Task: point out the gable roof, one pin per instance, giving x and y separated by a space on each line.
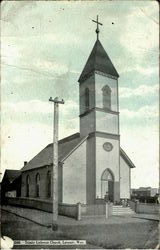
10 175
126 158
65 148
100 61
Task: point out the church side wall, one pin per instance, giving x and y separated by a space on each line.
124 180
74 176
108 160
43 182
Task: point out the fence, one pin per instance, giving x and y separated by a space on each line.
63 209
132 205
77 211
147 208
104 210
70 210
30 203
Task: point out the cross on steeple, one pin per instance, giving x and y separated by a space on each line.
97 30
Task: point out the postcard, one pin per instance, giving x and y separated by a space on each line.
79 98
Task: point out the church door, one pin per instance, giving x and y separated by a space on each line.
110 190
107 185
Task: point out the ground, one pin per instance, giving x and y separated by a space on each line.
125 233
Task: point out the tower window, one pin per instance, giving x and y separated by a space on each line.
87 98
106 92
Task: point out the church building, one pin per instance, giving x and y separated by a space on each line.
91 163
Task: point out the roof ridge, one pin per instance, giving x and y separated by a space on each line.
12 170
68 138
126 158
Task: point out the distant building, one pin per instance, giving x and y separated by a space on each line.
11 183
154 191
145 194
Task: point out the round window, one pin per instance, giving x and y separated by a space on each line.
107 146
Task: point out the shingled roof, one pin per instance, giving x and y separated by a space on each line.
10 175
65 147
98 61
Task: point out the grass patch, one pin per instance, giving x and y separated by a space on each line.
124 235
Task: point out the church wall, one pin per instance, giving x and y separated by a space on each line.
106 122
87 123
101 81
90 84
74 176
124 180
109 160
43 182
90 171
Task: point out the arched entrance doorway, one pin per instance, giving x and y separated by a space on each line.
107 185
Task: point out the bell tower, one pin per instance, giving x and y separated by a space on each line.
99 119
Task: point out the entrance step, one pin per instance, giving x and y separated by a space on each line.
120 210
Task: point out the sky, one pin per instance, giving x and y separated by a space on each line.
44 48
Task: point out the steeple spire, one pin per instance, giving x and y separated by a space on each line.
97 30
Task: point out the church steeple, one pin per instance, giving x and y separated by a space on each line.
98 90
98 61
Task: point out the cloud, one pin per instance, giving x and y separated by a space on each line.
146 112
13 57
33 106
49 66
21 142
147 70
139 39
69 109
142 90
61 38
142 145
138 68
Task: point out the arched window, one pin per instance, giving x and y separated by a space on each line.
87 98
37 184
106 92
27 185
107 184
49 184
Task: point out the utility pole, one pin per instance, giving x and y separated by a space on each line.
55 162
